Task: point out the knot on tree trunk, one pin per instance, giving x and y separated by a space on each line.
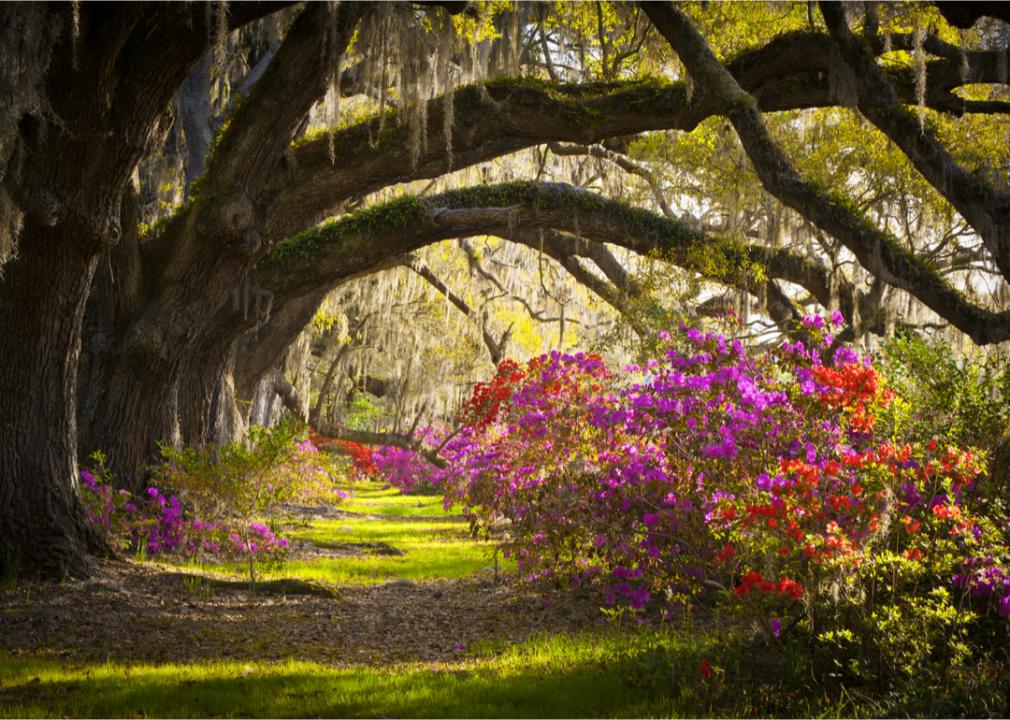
231 220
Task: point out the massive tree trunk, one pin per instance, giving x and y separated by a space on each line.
198 267
44 528
105 96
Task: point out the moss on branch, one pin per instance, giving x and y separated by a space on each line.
304 248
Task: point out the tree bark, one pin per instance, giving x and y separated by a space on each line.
44 528
167 343
105 109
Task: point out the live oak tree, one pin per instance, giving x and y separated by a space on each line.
200 307
85 95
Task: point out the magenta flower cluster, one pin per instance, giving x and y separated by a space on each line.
155 524
711 468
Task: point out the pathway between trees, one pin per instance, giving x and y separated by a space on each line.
138 611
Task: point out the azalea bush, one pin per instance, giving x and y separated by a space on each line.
232 486
759 480
149 524
218 498
408 469
362 464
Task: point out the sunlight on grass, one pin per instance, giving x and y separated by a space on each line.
430 549
374 498
607 671
426 544
641 674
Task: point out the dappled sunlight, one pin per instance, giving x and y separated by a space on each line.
497 358
634 674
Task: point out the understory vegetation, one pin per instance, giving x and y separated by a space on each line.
505 358
710 506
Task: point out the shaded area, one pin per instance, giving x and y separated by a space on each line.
610 673
142 612
303 550
207 585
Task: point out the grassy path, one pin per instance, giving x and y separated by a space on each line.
380 535
390 610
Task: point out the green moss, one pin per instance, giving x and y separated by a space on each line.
305 247
154 229
369 124
904 263
775 45
717 258
655 229
219 139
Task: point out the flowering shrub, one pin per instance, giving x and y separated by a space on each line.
408 470
232 485
362 457
755 476
488 398
149 524
224 492
154 524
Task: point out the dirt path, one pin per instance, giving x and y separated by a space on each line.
143 612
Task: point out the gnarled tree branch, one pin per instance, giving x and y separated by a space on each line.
877 250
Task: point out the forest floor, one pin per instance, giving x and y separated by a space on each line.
386 608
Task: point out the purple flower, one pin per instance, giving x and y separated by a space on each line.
845 356
638 598
776 625
88 479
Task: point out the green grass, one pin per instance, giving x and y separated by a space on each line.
431 549
373 498
609 670
432 542
609 673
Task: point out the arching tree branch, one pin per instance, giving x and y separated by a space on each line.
983 206
495 347
788 73
301 271
877 250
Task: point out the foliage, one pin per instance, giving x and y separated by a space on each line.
240 481
244 479
757 479
362 465
963 399
149 525
222 494
407 470
154 525
363 412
